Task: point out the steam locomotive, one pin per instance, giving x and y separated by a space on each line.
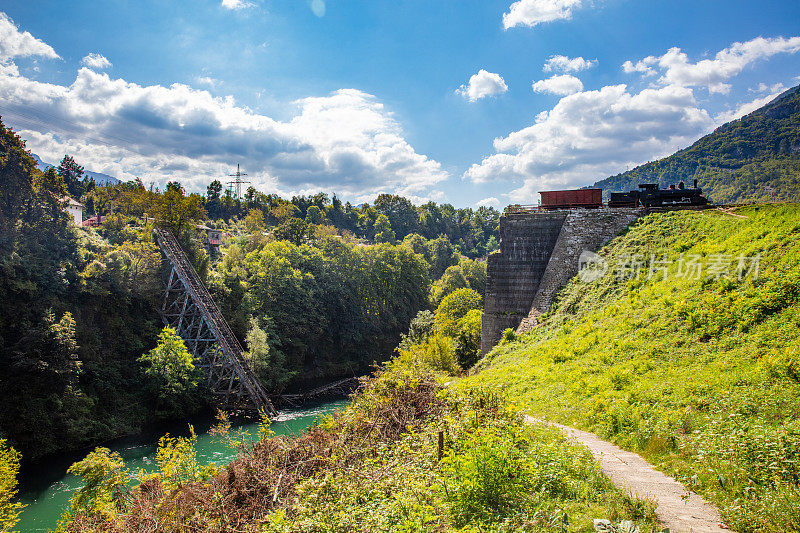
649 195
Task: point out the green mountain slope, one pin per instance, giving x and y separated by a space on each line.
701 374
752 159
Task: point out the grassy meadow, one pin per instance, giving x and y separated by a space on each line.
697 368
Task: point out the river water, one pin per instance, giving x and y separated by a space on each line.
46 488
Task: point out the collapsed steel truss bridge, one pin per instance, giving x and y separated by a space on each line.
189 309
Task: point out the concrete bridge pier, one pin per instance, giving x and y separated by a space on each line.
539 252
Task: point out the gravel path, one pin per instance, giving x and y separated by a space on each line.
679 509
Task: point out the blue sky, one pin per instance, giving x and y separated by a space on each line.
446 100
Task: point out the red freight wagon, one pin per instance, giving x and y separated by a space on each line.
588 198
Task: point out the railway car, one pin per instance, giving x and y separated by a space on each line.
586 198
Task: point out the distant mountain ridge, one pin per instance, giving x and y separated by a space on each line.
752 159
99 177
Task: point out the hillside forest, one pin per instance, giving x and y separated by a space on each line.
315 288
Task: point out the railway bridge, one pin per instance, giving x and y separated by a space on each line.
188 307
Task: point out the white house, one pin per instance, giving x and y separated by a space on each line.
75 210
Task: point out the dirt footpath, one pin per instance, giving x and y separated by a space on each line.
679 509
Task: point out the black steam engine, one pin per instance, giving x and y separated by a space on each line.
649 195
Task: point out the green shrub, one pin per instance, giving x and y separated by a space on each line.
468 338
176 458
9 468
455 306
487 475
104 478
435 353
509 335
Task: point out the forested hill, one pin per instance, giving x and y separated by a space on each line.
752 159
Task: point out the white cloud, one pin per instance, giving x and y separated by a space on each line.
489 202
96 61
481 85
207 80
644 66
533 12
345 141
14 43
764 88
592 134
749 107
676 69
237 4
561 85
566 64
318 8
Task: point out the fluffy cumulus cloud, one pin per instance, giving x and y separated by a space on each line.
489 202
16 43
481 85
561 85
345 140
592 134
643 66
568 64
96 61
675 67
534 12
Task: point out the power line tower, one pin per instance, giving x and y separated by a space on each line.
237 181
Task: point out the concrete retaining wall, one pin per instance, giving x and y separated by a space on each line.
513 273
538 255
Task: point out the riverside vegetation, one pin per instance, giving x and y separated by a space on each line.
699 374
416 450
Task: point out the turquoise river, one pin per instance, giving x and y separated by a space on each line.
46 488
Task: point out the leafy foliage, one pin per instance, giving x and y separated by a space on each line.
330 309
454 307
172 368
435 352
9 468
176 458
468 338
467 274
270 367
473 233
422 326
104 477
176 212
